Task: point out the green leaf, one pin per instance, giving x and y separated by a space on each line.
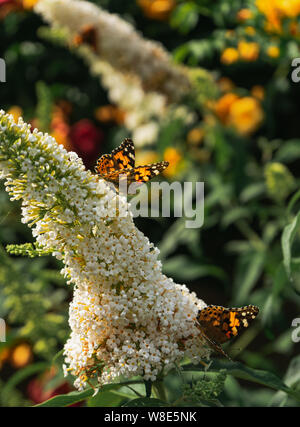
253 191
78 396
292 379
185 17
234 215
184 268
287 239
251 267
67 399
289 151
145 402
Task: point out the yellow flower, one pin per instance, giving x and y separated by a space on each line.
273 51
223 105
16 112
272 13
157 9
229 56
245 115
290 8
29 4
21 355
275 11
248 51
173 156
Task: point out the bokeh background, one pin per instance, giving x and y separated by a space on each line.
239 134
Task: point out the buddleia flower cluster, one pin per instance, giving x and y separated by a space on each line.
138 73
126 317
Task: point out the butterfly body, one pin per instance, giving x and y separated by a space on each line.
219 324
120 165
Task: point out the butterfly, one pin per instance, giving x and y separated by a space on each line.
218 324
87 35
120 165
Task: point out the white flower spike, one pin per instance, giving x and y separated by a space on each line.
126 317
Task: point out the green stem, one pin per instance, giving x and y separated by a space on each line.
148 386
159 390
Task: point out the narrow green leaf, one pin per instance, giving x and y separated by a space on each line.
67 399
287 239
78 396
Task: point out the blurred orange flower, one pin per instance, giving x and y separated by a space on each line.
273 51
16 112
245 115
244 14
110 113
21 355
29 4
223 105
248 51
157 9
229 56
174 157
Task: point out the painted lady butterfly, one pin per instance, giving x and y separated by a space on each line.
120 164
218 324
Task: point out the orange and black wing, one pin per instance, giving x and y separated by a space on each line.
218 324
147 172
120 160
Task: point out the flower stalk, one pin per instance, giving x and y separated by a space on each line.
126 317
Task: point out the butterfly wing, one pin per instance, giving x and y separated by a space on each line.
220 324
147 172
120 165
122 158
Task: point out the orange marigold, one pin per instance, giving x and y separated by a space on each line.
157 9
223 105
229 56
248 51
245 115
